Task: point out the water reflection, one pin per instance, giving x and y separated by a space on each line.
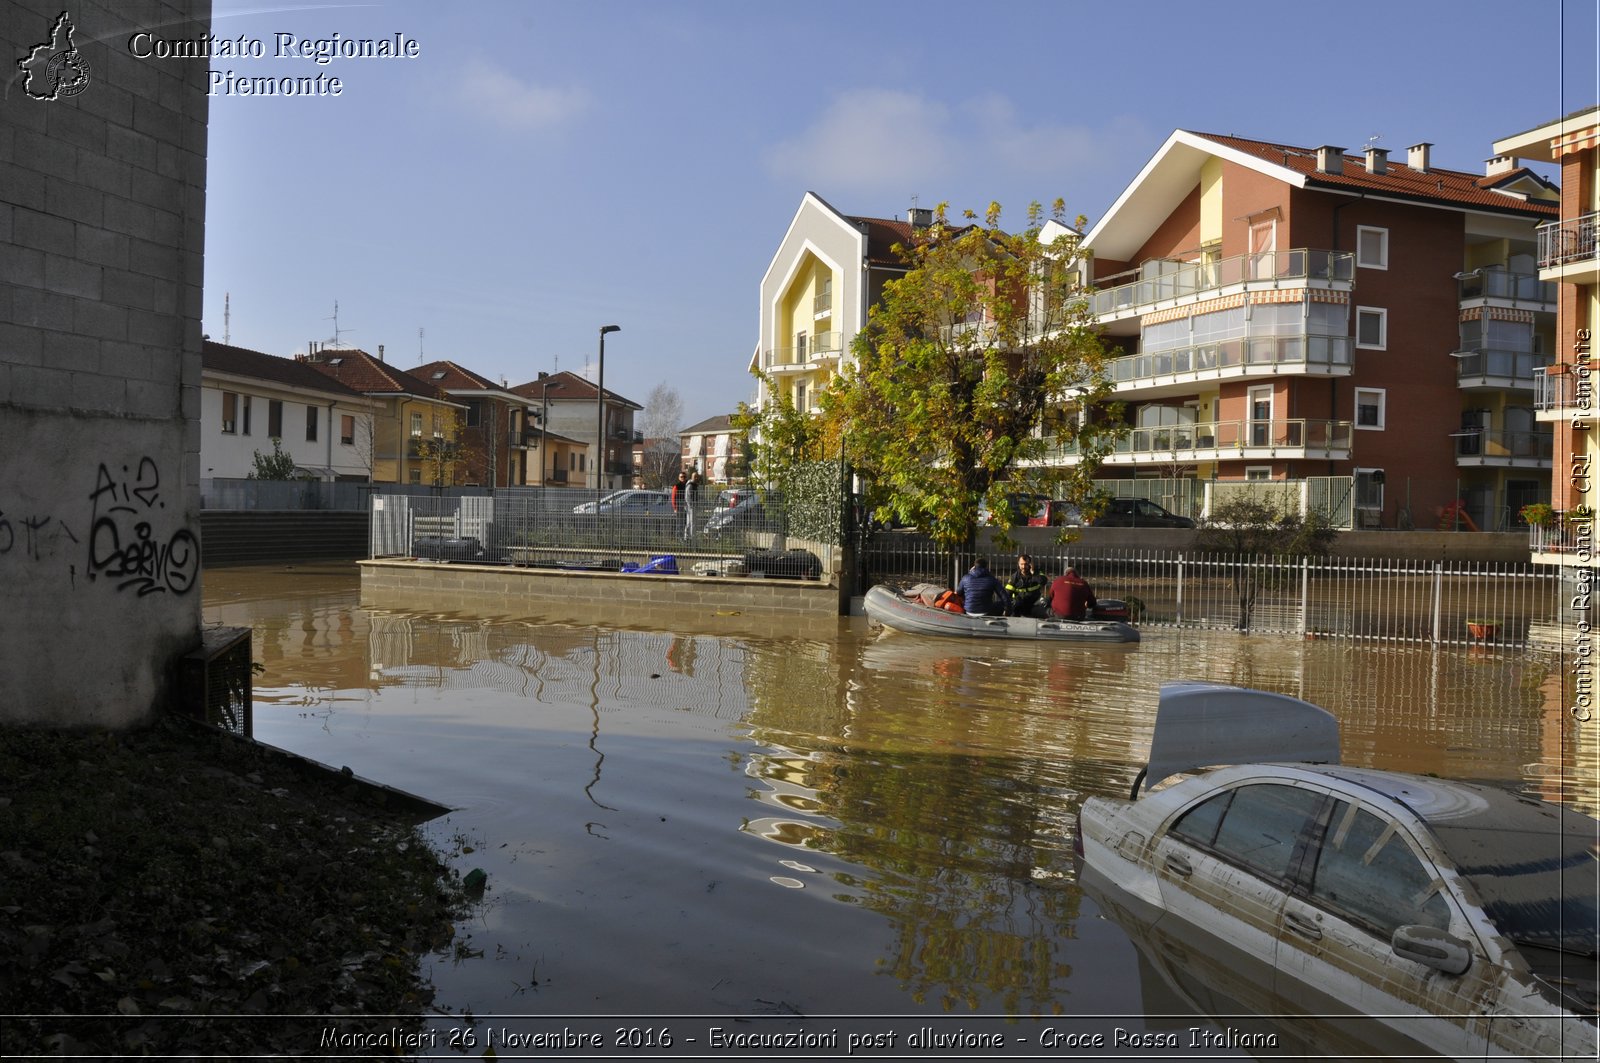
699 821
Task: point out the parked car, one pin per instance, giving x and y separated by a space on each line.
629 503
1139 513
1035 511
746 511
1456 916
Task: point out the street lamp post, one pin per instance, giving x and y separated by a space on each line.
544 429
600 407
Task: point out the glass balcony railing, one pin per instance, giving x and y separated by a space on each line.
1277 353
1489 365
1572 240
1503 284
1270 268
1498 445
1222 440
817 347
822 304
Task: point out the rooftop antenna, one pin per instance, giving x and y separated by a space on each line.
419 344
337 331
1373 139
226 315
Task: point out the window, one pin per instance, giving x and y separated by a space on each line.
416 426
438 427
800 397
1372 247
474 414
799 346
1372 327
1370 403
1258 472
274 419
230 412
245 415
311 424
1369 489
416 475
1258 826
1366 870
347 429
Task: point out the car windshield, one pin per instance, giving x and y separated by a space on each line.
1534 867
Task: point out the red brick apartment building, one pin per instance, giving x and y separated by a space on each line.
1569 256
1290 313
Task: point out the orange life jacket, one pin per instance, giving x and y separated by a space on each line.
949 600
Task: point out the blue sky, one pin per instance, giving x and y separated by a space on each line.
544 168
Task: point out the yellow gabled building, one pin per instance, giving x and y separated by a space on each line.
829 269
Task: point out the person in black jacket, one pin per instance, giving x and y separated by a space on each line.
1025 587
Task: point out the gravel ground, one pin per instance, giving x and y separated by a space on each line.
176 891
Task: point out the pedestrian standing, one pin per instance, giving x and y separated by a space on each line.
690 495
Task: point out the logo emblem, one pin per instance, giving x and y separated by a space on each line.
55 69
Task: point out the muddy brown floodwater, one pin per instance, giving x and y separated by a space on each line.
773 834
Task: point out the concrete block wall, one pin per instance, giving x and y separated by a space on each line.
102 215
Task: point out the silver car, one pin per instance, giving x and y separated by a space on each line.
1452 917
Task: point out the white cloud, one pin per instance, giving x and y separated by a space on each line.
868 140
514 103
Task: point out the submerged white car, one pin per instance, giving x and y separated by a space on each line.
1399 912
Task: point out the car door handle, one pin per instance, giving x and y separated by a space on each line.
1178 865
1306 928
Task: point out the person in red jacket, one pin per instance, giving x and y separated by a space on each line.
1071 597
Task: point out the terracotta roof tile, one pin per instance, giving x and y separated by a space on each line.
882 235
241 361
450 376
722 422
362 372
1435 186
566 386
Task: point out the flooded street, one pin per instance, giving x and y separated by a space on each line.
750 824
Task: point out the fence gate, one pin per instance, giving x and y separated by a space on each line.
389 531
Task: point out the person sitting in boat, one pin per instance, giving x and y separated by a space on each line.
981 593
1025 587
1071 597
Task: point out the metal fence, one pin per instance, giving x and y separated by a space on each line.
1398 601
596 530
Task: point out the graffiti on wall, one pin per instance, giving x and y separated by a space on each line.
124 545
130 547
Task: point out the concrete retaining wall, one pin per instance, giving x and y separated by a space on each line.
737 605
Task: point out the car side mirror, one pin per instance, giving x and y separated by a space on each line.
1432 947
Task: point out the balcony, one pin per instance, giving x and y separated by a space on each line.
822 347
1503 288
1230 441
1497 448
1192 281
1498 370
1177 370
1568 540
1557 394
1568 250
822 305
